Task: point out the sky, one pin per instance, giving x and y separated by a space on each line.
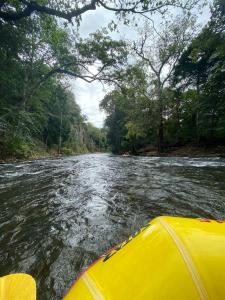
89 95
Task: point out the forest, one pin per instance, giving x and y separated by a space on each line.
164 88
38 112
175 94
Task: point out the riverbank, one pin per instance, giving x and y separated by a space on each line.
186 151
32 157
46 155
51 154
189 151
39 151
198 151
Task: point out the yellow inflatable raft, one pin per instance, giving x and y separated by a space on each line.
169 259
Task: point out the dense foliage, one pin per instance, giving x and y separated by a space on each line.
185 105
38 113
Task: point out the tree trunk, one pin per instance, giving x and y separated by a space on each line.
161 125
197 111
161 134
60 134
178 117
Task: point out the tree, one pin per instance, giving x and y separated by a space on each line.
36 109
97 137
200 73
178 85
17 10
128 112
160 52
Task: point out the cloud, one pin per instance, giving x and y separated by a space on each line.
94 20
88 96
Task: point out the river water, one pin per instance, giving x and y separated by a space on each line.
57 216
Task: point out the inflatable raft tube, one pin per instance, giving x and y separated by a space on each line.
169 259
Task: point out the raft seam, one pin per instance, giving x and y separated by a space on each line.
92 287
187 259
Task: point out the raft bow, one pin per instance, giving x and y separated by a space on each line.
170 258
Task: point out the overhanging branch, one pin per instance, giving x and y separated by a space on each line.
9 14
33 6
89 77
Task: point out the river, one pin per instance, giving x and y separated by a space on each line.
58 215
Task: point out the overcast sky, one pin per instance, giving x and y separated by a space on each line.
89 95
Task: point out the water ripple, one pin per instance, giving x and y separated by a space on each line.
57 215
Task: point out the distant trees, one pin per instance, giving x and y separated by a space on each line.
183 91
128 112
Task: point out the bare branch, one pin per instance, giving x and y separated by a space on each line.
153 25
63 70
171 70
141 54
133 9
